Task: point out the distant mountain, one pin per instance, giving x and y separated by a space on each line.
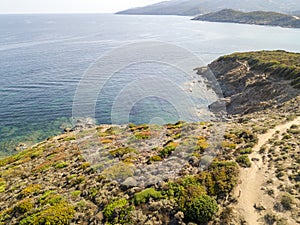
295 13
257 17
174 7
195 7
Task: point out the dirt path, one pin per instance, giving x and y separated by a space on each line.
253 178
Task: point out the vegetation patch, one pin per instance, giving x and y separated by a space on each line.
201 209
228 145
168 149
61 165
118 212
287 201
24 206
2 185
32 189
155 158
120 152
144 196
110 131
58 214
246 151
69 138
243 160
221 178
118 171
202 144
142 135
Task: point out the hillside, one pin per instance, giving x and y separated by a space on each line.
257 17
175 7
195 7
297 13
256 81
150 174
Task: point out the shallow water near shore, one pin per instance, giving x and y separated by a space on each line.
43 57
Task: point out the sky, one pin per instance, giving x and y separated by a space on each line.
70 6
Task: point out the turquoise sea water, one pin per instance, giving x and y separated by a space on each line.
43 57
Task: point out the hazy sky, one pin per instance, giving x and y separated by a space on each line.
69 6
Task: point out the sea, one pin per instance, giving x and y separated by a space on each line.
45 57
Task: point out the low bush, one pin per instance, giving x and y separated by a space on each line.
142 135
61 165
245 151
286 201
155 158
30 189
145 195
2 185
243 160
201 209
118 212
120 152
202 144
24 206
58 214
168 149
221 178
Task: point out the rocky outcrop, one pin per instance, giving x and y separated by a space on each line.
248 86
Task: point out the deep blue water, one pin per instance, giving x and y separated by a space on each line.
43 57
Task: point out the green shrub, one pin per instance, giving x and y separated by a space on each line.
189 193
202 144
155 158
58 214
78 180
85 165
61 165
24 206
93 192
120 152
167 150
145 195
76 193
30 189
173 190
51 199
70 138
201 209
118 171
294 131
118 212
221 178
270 218
243 160
282 221
45 195
140 127
142 135
177 125
286 201
2 185
245 151
228 145
108 132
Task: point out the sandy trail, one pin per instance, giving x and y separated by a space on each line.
253 178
